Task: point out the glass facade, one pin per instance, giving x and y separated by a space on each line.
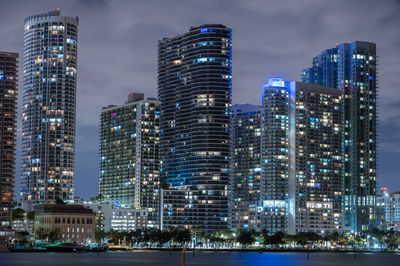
245 160
129 155
301 155
49 107
275 147
8 124
194 87
352 68
318 159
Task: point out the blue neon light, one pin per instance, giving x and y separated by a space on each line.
203 30
276 82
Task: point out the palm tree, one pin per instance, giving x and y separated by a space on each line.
246 238
100 235
53 236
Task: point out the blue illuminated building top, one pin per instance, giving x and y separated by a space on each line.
275 82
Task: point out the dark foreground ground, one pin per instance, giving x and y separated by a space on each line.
112 258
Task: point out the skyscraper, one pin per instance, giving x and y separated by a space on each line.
8 124
129 155
302 155
194 87
246 153
245 159
49 106
352 69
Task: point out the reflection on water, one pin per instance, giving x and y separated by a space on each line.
112 258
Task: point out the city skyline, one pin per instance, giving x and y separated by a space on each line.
276 63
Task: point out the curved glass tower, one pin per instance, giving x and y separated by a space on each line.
195 87
49 100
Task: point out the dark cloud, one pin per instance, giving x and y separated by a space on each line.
117 53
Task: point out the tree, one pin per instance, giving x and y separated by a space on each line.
115 236
53 236
99 235
304 238
277 239
391 240
183 236
18 214
334 236
164 237
136 236
377 234
77 199
222 236
265 237
291 239
150 236
173 233
158 236
60 201
41 233
98 198
217 239
245 238
22 237
31 216
200 235
274 240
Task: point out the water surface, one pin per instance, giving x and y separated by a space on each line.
114 258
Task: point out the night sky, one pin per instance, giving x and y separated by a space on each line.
117 53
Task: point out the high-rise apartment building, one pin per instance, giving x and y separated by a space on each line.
194 87
129 155
246 154
8 124
352 69
245 160
302 155
49 107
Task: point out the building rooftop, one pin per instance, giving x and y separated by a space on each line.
53 13
133 98
315 88
62 208
247 108
9 54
